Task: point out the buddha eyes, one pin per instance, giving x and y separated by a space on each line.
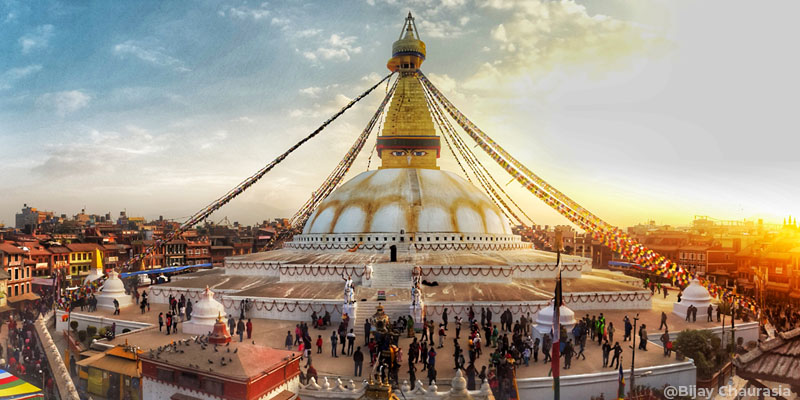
400 153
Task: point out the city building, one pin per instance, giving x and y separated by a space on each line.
117 370
175 253
198 252
12 259
81 258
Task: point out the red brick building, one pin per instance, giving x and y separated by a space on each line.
12 260
240 372
198 252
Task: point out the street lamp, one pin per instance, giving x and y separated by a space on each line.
633 356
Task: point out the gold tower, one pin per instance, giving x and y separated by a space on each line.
409 138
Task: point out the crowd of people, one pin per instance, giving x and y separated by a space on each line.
23 354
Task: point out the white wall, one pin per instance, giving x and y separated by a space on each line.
86 319
632 300
606 383
747 330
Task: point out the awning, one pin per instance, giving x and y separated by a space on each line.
11 387
23 297
163 270
42 281
5 308
114 364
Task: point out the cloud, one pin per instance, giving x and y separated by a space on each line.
439 29
244 119
244 12
38 39
312 91
8 78
306 33
372 77
63 103
81 155
336 47
152 54
543 37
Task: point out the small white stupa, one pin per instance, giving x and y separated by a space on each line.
112 289
204 314
694 295
544 319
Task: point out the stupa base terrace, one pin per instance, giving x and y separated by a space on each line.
291 284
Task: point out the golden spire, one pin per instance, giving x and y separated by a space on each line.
409 138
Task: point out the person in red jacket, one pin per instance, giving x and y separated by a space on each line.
319 344
249 328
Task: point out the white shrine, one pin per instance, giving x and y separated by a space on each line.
694 295
204 314
112 289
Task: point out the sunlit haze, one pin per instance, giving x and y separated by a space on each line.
638 110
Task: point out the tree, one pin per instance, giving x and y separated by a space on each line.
704 348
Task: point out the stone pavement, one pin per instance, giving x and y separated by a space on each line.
273 332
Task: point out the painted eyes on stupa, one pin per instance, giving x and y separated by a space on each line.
400 153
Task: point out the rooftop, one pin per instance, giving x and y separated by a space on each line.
237 360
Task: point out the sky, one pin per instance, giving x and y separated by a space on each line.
638 110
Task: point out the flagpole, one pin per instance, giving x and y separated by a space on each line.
556 352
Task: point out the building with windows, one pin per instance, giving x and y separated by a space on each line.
198 252
81 257
12 260
175 253
188 370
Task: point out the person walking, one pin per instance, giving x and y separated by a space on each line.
351 340
664 342
289 340
458 327
617 350
160 321
663 321
606 352
442 335
547 342
628 329
610 332
569 351
231 325
169 323
334 339
240 329
319 344
444 318
358 361
643 338
367 331
710 310
249 328
116 307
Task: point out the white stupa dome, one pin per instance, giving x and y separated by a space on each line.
694 295
407 199
545 316
113 284
207 307
695 292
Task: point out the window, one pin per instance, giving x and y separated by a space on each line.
16 273
188 379
212 386
165 375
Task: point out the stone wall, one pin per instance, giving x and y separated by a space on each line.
86 319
